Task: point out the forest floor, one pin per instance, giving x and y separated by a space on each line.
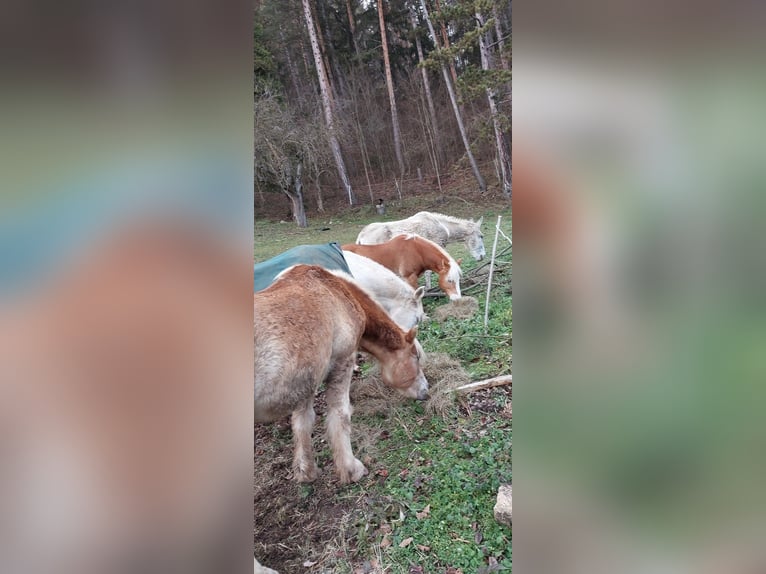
426 506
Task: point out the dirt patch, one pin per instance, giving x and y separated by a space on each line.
495 401
463 308
293 522
318 523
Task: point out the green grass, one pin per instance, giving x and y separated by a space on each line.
453 469
481 355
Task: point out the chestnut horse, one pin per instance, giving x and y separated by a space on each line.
308 326
409 256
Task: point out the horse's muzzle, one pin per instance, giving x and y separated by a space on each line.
422 395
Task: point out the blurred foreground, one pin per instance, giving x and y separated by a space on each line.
125 281
639 297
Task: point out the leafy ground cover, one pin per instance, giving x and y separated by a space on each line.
426 506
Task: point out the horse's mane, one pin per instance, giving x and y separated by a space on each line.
455 272
379 326
350 279
441 216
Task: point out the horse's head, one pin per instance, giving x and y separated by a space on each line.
474 241
408 311
449 282
402 370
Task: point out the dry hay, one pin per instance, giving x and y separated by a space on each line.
370 396
463 308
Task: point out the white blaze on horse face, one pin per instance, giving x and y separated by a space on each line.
453 277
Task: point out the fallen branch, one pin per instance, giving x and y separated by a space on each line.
485 384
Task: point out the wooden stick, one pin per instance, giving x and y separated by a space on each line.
491 269
485 384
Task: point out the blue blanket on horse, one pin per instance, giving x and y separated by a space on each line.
327 255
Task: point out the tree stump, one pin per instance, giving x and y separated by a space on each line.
504 505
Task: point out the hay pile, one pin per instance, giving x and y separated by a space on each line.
370 396
463 308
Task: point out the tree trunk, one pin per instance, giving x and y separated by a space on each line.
502 152
320 199
427 89
290 66
365 159
323 51
352 26
296 197
428 135
500 39
455 108
445 39
326 104
390 86
330 55
304 54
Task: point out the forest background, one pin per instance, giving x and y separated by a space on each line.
357 101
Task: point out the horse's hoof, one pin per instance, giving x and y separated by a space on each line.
306 473
356 471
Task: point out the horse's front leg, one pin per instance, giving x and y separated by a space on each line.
348 467
304 465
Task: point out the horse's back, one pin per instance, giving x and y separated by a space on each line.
373 233
302 326
383 254
371 274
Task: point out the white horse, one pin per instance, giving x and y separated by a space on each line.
441 229
403 303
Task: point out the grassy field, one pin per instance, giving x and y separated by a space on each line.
426 506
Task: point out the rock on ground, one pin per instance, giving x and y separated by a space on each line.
504 505
262 569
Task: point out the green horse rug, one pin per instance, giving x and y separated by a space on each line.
327 255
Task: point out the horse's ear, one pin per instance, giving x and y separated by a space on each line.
411 334
419 292
478 223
